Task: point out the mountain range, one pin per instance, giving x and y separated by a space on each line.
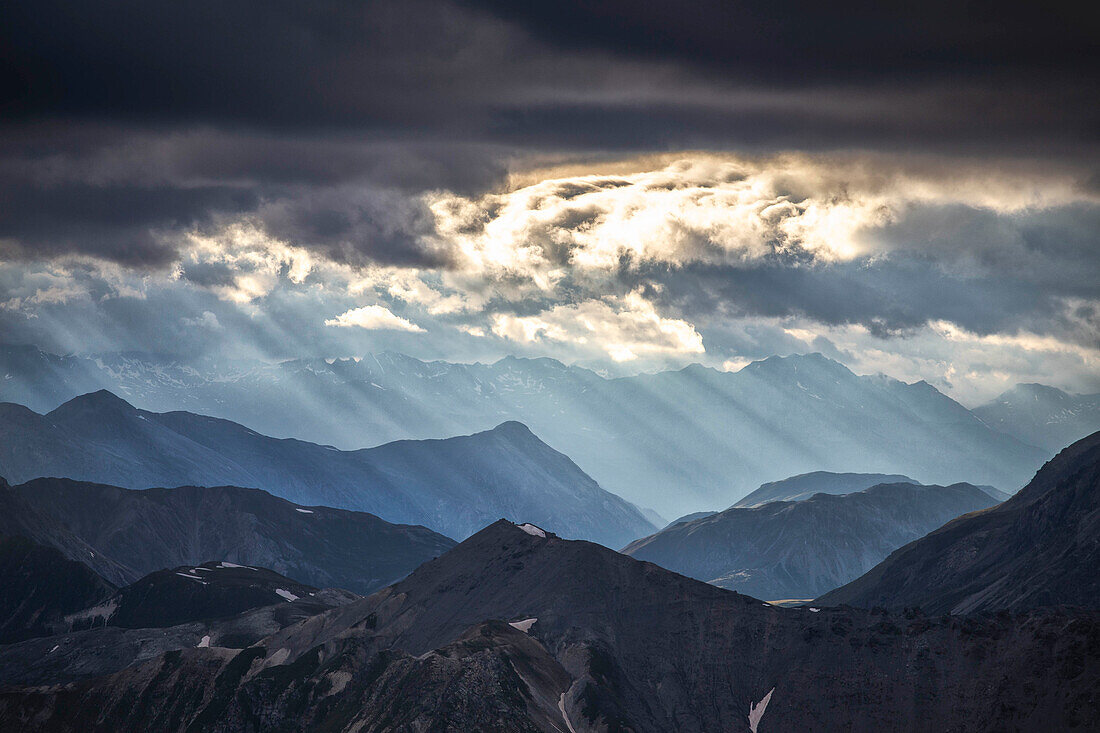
675 441
1039 548
802 548
453 486
1042 415
125 534
518 630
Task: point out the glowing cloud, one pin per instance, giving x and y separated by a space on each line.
373 318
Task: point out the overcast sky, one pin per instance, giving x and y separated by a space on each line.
625 185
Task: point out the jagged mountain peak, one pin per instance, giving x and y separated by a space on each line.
812 363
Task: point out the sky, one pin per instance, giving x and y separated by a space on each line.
626 186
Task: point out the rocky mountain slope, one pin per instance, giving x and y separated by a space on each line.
1039 548
40 586
712 435
164 612
1042 415
125 534
517 630
453 486
801 549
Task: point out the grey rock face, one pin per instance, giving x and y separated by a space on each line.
801 549
1039 548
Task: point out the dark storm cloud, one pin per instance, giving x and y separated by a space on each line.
114 222
559 71
126 118
794 42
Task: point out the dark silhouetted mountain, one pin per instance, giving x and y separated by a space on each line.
518 630
125 534
185 594
231 608
1039 548
453 486
1042 415
39 586
805 485
800 549
677 441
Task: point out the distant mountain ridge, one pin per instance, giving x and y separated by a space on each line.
711 436
1042 415
1039 548
805 485
803 548
454 486
125 534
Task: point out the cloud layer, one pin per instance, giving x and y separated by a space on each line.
971 277
913 189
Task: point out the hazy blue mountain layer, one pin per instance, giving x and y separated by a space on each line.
677 442
452 486
1043 416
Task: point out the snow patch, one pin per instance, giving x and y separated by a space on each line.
756 712
532 530
192 577
55 648
205 642
303 511
565 716
524 625
286 594
815 610
226 564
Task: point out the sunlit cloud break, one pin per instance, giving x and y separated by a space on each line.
647 263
